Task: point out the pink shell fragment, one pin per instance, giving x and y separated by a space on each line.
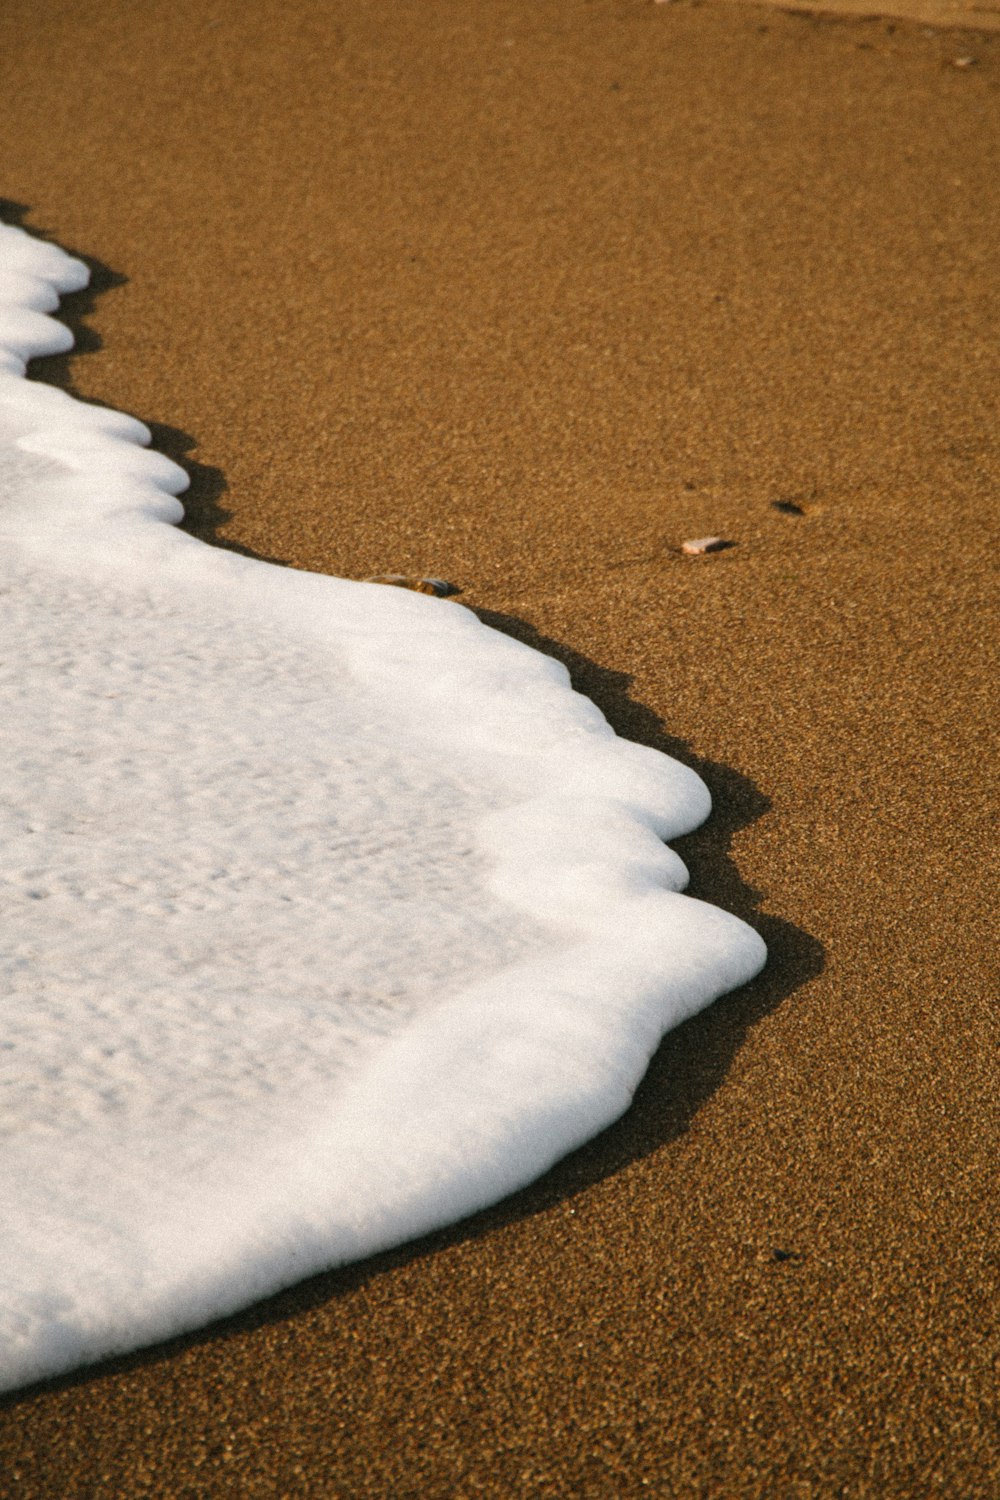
703 544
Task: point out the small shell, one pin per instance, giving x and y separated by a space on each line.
703 544
435 586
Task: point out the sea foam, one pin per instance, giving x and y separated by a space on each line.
331 915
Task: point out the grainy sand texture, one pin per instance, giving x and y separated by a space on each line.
523 296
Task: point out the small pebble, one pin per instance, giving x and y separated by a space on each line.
703 544
436 586
963 62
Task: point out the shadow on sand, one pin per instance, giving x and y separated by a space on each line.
204 514
692 1061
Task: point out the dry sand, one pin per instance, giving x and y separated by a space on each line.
523 295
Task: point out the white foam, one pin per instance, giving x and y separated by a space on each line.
331 914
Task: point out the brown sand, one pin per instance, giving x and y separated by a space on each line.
523 294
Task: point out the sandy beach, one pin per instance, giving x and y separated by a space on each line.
524 296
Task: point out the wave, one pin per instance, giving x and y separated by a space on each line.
334 915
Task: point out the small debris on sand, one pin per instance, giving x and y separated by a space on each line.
963 62
703 544
436 586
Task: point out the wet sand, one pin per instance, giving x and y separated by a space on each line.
956 15
523 296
